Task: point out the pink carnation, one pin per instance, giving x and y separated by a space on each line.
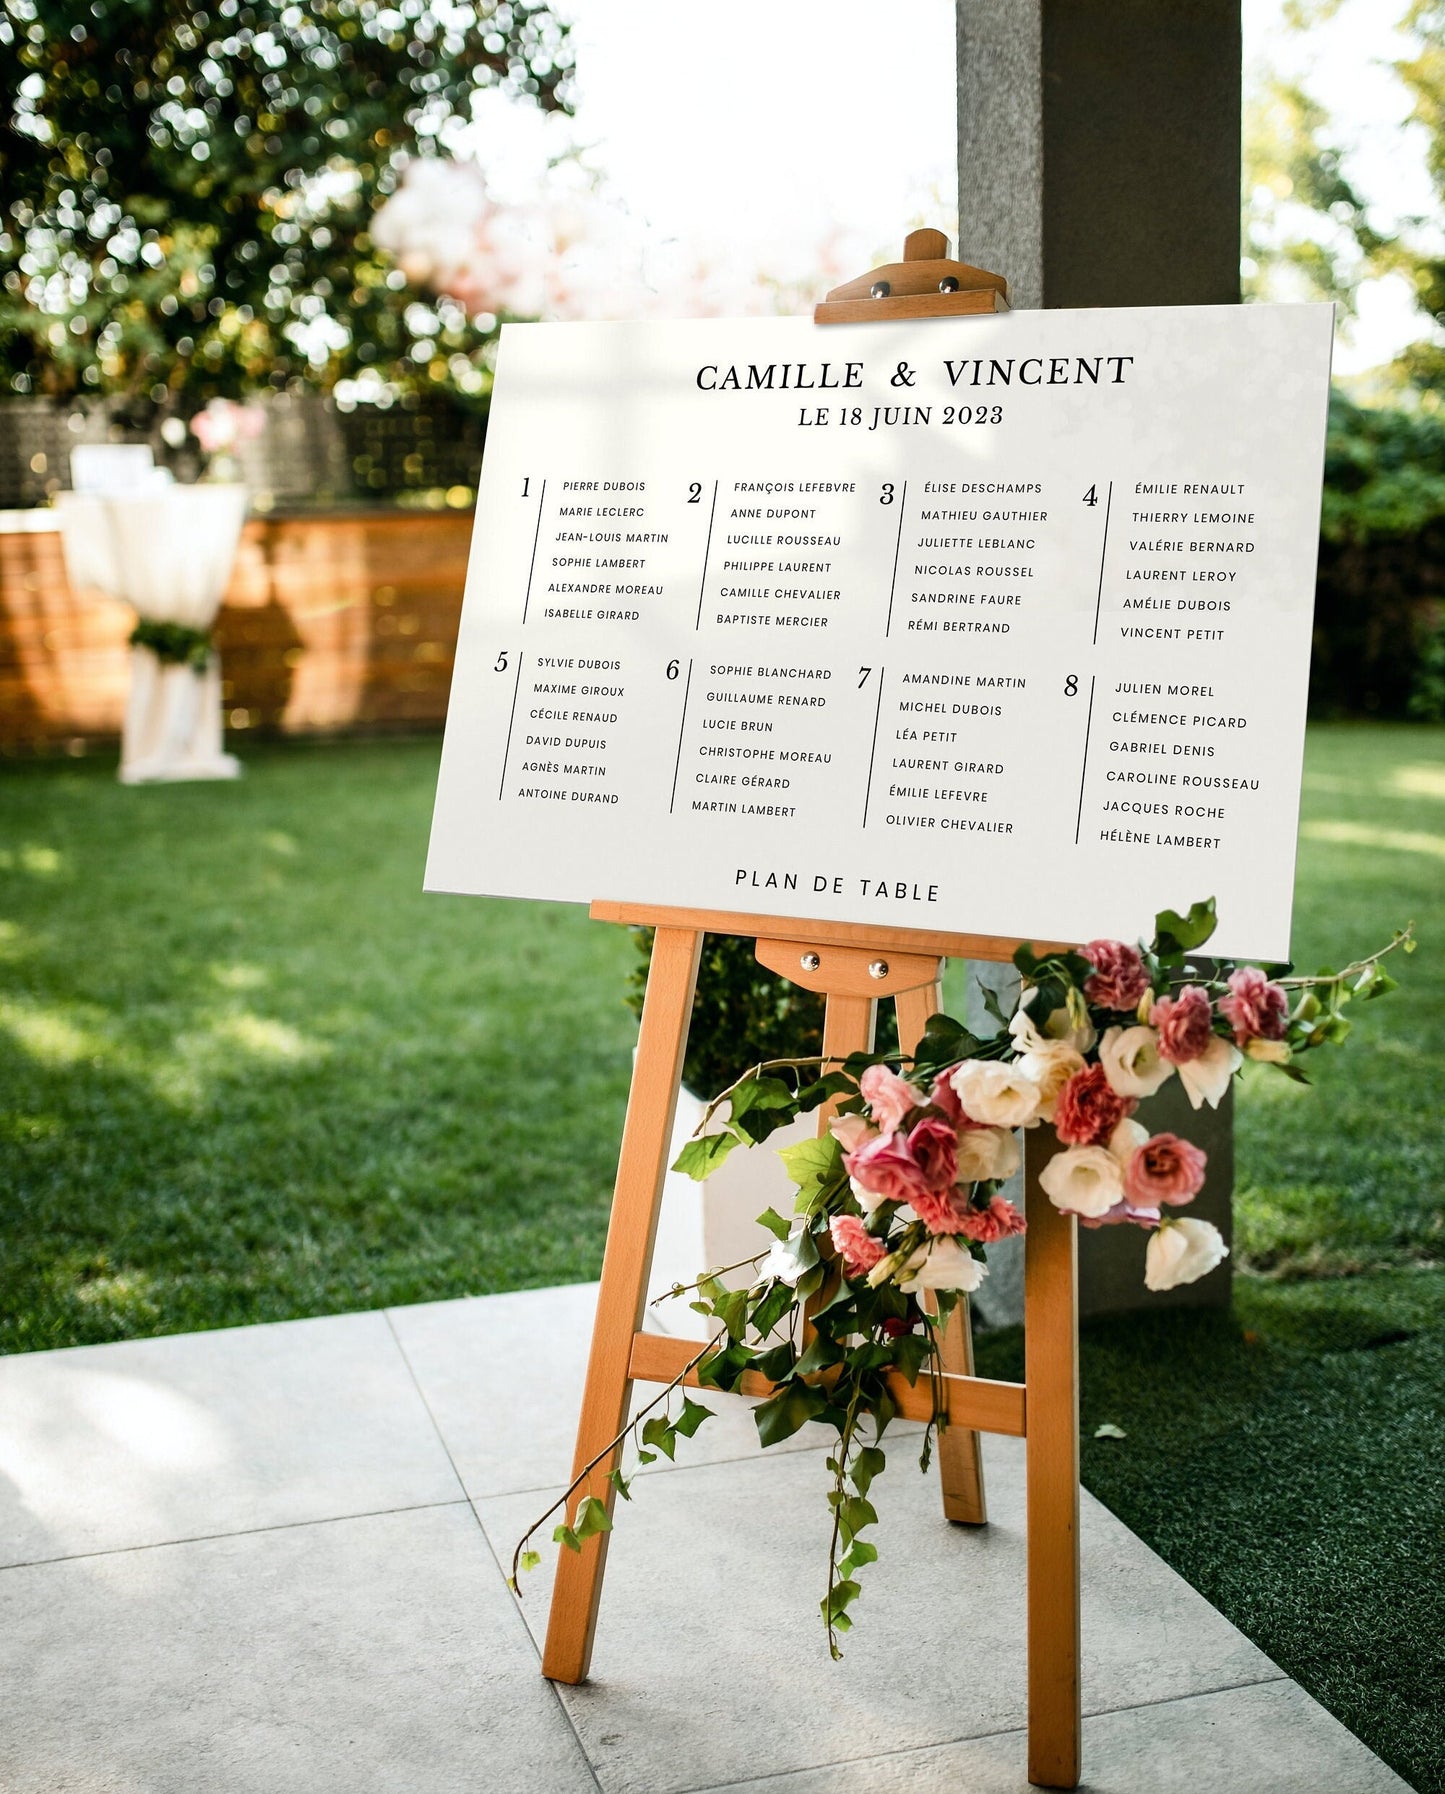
934 1146
859 1248
887 1169
889 1097
1185 1023
1255 1008
941 1211
1164 1169
996 1222
1118 979
1088 1109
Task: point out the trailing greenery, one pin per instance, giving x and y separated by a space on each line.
187 190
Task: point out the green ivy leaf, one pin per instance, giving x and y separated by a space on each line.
619 1482
771 1308
775 1224
564 1535
700 1158
659 1432
529 1560
835 1083
814 1166
692 1416
1175 935
860 1552
592 1518
854 1513
781 1415
760 1093
869 1463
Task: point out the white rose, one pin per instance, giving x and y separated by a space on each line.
1206 1078
1126 1139
942 1264
999 1095
986 1152
1131 1061
1050 1064
1084 1180
1272 1052
786 1259
850 1131
1182 1252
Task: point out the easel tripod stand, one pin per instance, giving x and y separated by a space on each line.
853 966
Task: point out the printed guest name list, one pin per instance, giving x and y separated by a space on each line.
994 625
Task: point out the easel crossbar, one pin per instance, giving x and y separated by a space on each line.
978 1403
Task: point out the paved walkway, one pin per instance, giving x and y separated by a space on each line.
267 1561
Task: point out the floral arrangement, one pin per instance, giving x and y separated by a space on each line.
899 1197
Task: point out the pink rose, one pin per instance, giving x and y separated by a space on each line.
1255 1008
887 1169
944 1096
889 1097
934 1146
1185 1024
1118 979
859 1248
996 1222
1164 1169
1089 1109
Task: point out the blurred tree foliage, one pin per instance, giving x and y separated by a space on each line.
185 189
1379 642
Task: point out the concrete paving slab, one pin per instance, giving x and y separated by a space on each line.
379 1654
1270 1739
710 1649
481 1360
148 1441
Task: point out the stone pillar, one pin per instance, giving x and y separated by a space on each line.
1099 164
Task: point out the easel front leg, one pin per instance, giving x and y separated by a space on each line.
646 1134
960 1454
1051 1355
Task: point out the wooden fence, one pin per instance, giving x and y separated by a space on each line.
346 620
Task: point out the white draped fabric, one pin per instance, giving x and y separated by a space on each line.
168 554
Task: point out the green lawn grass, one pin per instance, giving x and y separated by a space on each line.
247 1071
250 1071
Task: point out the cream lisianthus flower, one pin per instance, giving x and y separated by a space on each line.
1126 1139
986 1152
1131 1061
1272 1052
994 1093
1084 1180
1182 1252
1206 1078
942 1264
1075 1030
1050 1064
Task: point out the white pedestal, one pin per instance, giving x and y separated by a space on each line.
168 554
702 1227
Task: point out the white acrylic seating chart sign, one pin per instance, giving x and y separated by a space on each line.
992 624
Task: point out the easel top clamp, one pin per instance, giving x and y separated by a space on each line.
852 965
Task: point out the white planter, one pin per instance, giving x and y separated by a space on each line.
702 1227
168 554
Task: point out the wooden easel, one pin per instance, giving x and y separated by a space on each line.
853 966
